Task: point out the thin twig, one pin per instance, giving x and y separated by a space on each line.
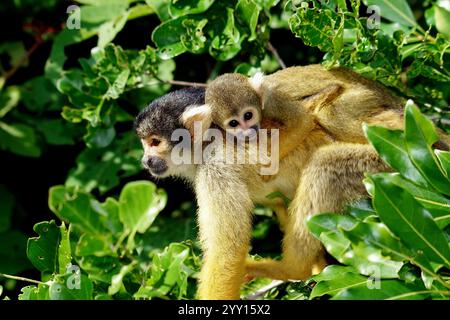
22 60
261 292
20 278
276 55
185 83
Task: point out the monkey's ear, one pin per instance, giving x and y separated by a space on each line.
200 115
256 81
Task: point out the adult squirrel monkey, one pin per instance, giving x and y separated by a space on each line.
322 172
340 100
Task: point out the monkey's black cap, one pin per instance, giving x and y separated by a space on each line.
162 116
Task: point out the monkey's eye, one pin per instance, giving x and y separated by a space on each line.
248 116
233 123
154 142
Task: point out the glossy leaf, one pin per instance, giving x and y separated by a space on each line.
385 290
391 146
77 208
71 287
435 203
420 136
139 204
349 247
395 10
410 221
43 250
334 279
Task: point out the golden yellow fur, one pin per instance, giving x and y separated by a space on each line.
324 157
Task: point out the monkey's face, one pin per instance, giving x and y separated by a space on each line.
155 126
156 155
245 123
235 105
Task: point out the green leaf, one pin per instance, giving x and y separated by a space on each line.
391 146
116 89
20 139
58 131
395 10
55 64
420 136
108 30
99 137
161 8
316 30
139 204
117 279
442 18
336 233
334 279
227 40
109 211
435 203
16 52
43 250
100 269
64 250
9 98
407 219
77 208
248 12
163 232
103 168
39 94
444 159
101 12
94 245
167 37
71 287
362 210
39 292
184 7
387 290
169 273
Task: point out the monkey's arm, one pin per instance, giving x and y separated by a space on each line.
225 229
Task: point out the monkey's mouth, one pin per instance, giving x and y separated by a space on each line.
158 171
249 133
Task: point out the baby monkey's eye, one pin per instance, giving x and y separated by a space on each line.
248 115
155 142
233 123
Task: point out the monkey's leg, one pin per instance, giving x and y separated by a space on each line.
332 178
225 230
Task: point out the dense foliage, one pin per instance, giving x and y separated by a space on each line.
70 88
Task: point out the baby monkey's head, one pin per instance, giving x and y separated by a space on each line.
234 104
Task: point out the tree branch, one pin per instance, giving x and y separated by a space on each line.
184 83
8 74
21 278
276 55
261 292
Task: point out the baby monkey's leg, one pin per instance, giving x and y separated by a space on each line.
332 179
